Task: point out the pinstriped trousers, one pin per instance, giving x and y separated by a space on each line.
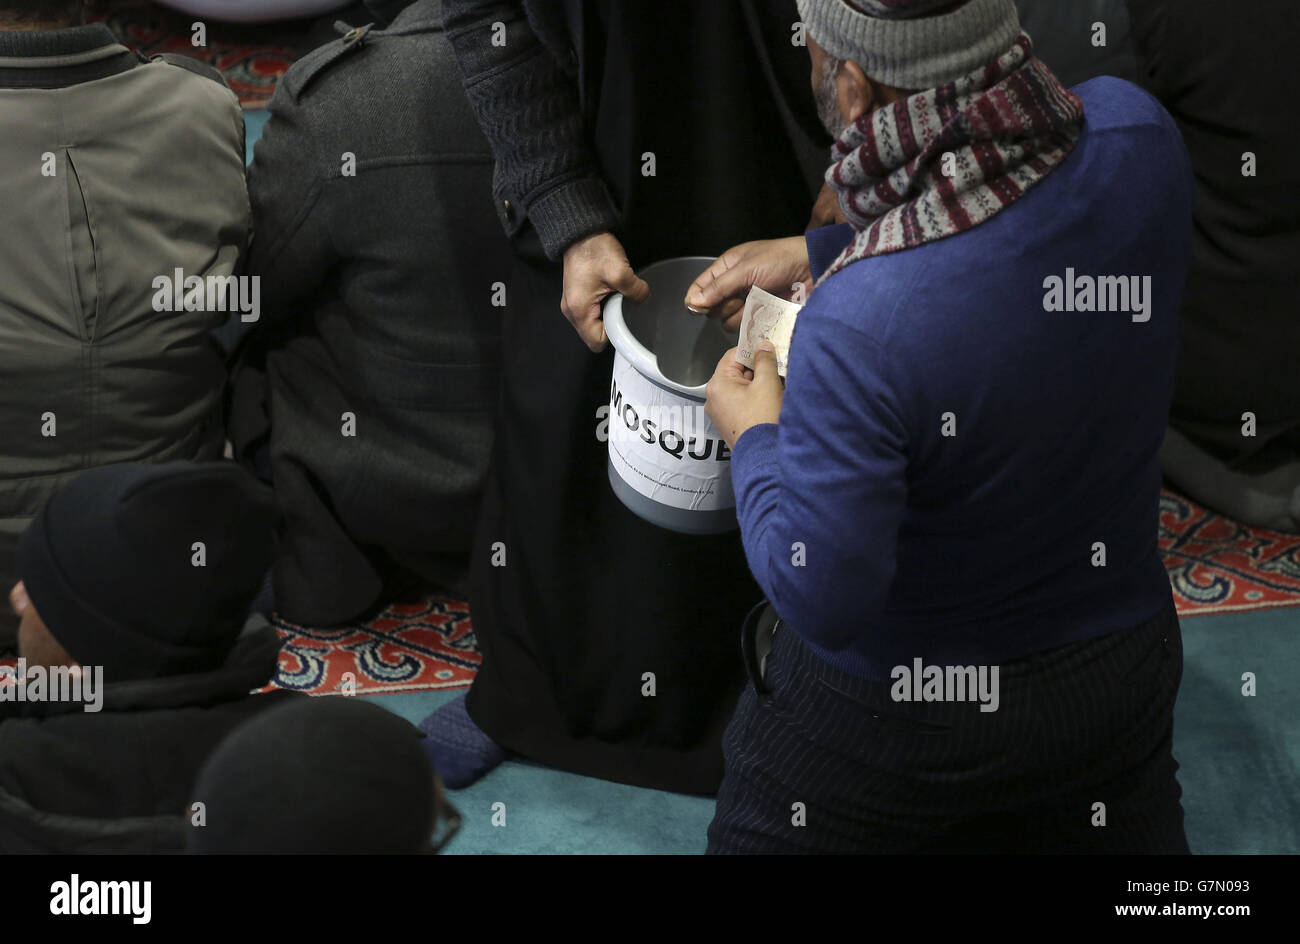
1077 758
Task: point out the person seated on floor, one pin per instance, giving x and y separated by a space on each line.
329 775
951 502
124 178
366 393
1225 75
136 584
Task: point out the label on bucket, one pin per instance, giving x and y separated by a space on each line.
663 445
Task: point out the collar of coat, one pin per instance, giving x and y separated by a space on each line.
59 58
72 41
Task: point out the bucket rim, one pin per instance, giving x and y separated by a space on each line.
637 354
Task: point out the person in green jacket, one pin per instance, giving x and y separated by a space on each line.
123 185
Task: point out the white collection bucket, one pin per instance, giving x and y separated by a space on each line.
667 462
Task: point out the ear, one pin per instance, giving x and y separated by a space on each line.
858 95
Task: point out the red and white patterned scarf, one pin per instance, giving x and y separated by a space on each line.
1005 126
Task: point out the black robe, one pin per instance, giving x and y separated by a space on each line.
591 597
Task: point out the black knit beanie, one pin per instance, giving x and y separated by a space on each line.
326 774
148 569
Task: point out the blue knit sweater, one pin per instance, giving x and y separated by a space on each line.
965 468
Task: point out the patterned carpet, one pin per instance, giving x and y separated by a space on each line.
252 57
421 646
1215 566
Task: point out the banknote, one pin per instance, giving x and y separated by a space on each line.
766 318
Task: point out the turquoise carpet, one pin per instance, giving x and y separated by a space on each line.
550 811
254 122
1240 756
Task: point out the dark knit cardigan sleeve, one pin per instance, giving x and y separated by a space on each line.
526 102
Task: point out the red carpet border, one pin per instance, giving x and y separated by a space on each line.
1215 566
1218 566
421 646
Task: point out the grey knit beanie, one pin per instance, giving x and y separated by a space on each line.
902 44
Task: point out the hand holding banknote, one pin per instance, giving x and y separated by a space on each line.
738 398
766 318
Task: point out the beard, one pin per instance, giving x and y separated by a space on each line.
827 97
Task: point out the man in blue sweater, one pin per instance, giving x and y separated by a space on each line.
971 643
